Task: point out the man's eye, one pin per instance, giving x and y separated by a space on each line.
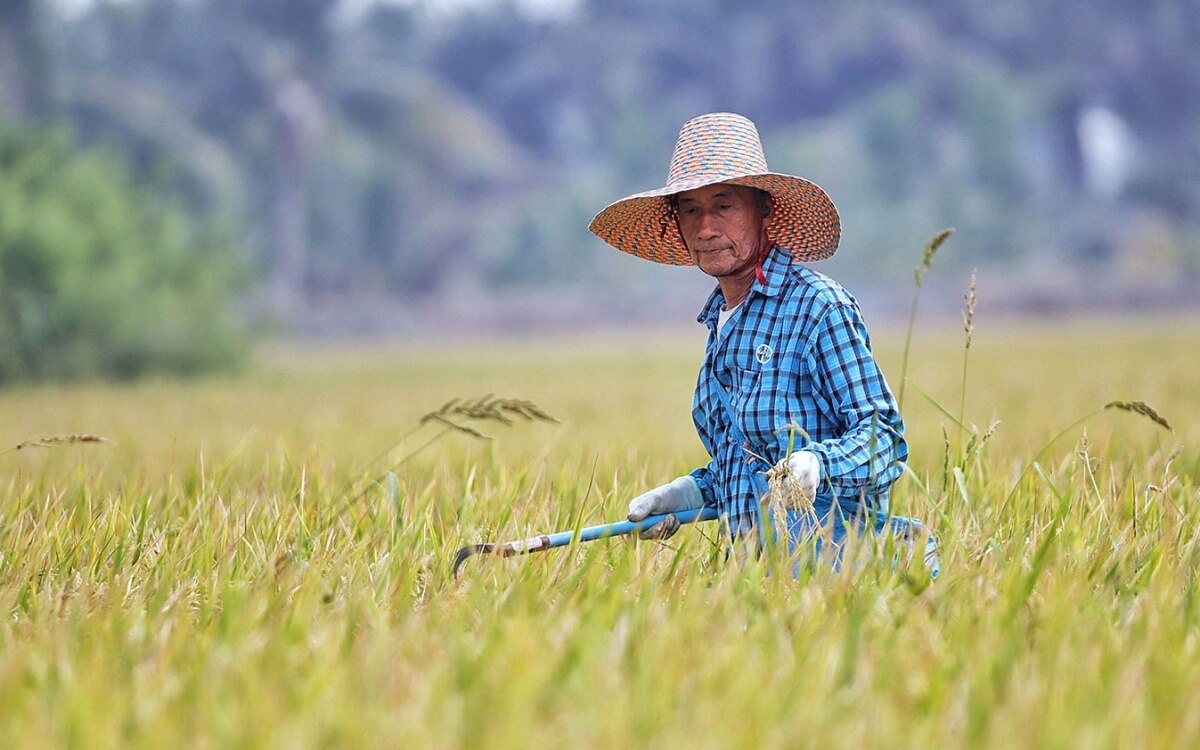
689 211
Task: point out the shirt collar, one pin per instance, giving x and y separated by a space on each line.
775 270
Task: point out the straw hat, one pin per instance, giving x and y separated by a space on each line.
721 147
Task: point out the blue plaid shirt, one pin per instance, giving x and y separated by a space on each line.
795 351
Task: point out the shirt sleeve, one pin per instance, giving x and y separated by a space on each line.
869 454
705 477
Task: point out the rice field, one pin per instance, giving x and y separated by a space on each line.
264 561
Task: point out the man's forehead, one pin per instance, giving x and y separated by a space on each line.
719 190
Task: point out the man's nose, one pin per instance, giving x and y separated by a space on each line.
708 228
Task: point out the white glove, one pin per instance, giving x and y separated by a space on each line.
677 495
803 471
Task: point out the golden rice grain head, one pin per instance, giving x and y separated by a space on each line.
46 441
1141 407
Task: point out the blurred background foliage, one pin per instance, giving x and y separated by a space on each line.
391 166
101 276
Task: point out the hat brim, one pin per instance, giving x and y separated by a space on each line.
804 221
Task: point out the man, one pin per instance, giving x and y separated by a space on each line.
789 386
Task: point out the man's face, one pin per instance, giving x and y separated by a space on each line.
722 226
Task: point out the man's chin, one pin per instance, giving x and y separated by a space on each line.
716 267
713 261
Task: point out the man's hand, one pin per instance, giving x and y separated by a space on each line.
803 470
679 494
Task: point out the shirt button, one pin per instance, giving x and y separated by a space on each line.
728 389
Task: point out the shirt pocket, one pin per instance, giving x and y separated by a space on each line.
745 385
756 408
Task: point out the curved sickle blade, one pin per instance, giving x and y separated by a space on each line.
470 551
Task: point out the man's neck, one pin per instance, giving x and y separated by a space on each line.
735 289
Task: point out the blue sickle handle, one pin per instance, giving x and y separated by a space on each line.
563 538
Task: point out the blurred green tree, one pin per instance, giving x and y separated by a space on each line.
102 277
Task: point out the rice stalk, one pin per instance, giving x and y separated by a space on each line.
452 425
453 417
457 411
970 299
931 249
1136 407
48 441
784 493
945 457
488 408
976 442
1141 407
